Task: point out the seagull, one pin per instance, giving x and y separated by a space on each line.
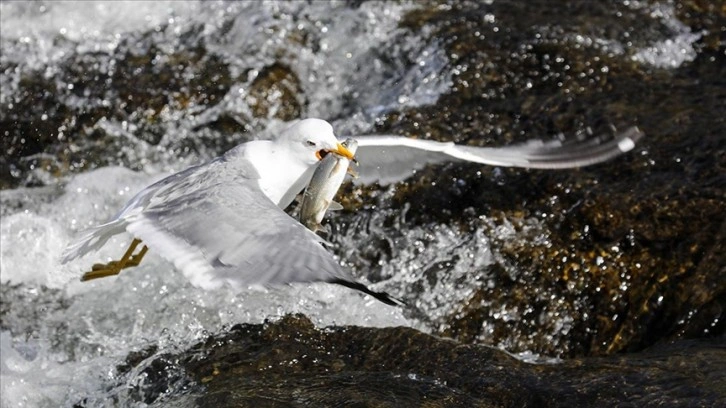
223 222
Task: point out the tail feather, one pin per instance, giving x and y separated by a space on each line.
93 239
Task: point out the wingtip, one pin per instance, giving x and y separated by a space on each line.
628 139
625 145
381 296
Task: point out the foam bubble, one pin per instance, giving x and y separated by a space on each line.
30 245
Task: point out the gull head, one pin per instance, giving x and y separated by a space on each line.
311 139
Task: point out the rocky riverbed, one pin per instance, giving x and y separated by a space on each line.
599 286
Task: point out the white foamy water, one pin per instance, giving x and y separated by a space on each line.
62 339
677 48
670 52
90 327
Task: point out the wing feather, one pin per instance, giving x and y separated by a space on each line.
387 158
229 232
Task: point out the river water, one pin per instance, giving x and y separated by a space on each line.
100 99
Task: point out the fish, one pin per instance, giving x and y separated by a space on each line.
327 178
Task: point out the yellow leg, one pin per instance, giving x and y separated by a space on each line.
114 267
136 259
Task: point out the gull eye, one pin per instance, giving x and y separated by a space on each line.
310 143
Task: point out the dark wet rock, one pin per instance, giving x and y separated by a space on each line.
707 17
276 93
102 108
625 254
293 363
45 127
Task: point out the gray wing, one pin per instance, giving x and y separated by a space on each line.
387 159
224 230
94 238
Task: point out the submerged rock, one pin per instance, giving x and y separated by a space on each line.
276 93
69 117
293 363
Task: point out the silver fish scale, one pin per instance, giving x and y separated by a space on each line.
323 186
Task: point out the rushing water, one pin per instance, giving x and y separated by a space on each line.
50 354
351 63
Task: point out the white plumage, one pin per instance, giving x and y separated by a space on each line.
388 158
222 222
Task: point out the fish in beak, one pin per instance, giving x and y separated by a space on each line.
324 185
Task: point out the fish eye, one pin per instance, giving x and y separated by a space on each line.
310 143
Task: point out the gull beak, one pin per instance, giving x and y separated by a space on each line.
343 151
339 150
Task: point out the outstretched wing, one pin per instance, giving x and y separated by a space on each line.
214 223
94 238
225 230
387 159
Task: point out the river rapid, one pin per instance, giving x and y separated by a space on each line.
566 270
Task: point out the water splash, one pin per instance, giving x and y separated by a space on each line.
66 338
670 52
